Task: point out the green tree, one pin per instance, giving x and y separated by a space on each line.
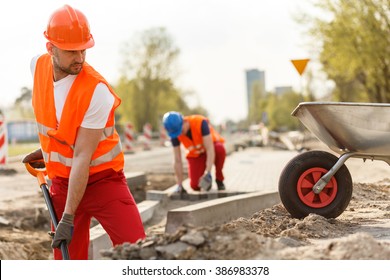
354 49
257 103
279 109
147 85
22 104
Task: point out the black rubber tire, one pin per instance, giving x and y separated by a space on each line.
288 185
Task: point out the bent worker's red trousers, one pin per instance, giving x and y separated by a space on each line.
197 166
108 199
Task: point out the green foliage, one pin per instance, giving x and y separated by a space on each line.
257 103
355 49
18 149
279 109
22 105
147 86
197 111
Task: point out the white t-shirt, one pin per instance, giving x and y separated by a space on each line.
101 104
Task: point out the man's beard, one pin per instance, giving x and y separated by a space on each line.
69 70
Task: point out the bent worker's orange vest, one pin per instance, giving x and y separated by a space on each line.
195 146
58 139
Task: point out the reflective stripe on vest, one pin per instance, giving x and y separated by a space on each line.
107 132
198 149
113 153
58 137
57 157
42 129
194 146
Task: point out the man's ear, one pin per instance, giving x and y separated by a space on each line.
49 48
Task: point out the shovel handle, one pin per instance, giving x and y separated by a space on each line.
40 175
54 220
36 172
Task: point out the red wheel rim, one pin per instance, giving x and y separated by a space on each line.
305 188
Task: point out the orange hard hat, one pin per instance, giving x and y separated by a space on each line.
68 29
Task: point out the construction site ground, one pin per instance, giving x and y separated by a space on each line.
361 232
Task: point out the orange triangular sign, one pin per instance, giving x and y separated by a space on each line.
300 64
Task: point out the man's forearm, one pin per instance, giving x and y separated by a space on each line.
209 146
178 172
78 180
86 142
210 159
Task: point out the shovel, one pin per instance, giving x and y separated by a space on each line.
40 175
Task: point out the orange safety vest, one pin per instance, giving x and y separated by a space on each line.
195 146
57 140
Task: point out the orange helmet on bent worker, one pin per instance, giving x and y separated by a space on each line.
68 29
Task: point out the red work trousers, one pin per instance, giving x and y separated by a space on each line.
197 166
108 199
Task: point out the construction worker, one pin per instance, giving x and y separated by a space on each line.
204 146
74 109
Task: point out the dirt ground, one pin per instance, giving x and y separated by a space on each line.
361 232
25 223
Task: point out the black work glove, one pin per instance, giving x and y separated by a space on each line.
206 181
35 159
64 231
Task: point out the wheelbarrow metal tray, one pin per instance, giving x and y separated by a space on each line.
361 128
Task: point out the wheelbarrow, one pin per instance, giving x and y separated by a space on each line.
40 175
319 181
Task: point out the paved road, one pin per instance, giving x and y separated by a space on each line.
158 159
255 169
249 170
252 169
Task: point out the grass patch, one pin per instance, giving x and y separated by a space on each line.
21 149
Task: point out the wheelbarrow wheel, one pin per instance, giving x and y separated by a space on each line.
300 175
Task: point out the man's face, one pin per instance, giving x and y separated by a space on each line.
66 62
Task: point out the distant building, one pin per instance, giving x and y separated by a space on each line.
252 76
22 131
282 90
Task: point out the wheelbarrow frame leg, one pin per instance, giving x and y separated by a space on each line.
324 180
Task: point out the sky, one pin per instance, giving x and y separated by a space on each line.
218 41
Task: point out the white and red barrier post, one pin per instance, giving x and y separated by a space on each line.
3 142
163 136
129 138
147 136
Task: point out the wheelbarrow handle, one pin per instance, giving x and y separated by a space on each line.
40 175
